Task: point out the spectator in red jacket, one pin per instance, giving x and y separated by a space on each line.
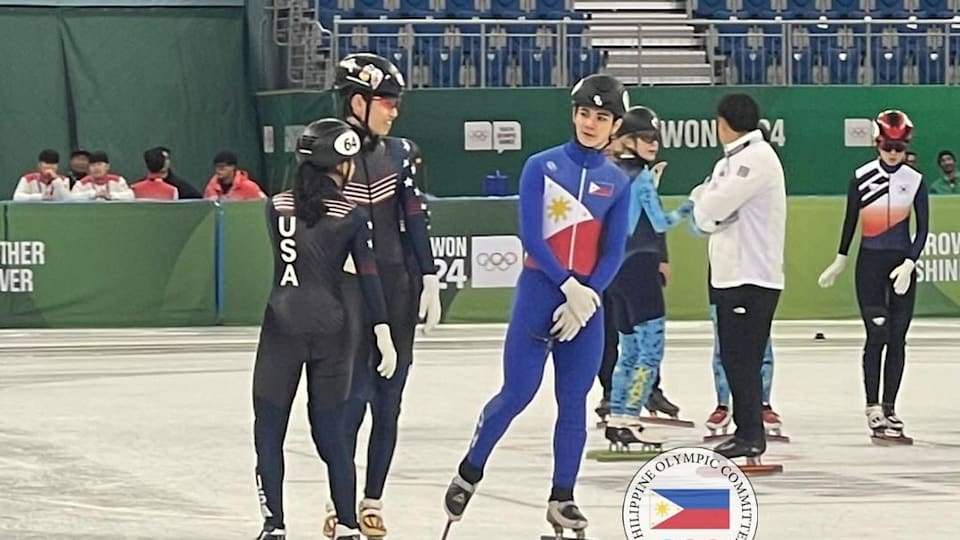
155 185
101 184
230 183
44 184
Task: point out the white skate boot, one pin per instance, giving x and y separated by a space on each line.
341 532
566 515
371 518
876 421
893 432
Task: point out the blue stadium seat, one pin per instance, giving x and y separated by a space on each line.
934 9
582 62
912 37
888 66
846 9
384 36
369 8
416 8
537 67
713 9
445 67
550 9
756 9
427 37
505 9
932 66
801 66
800 9
844 65
495 63
893 9
773 39
470 37
575 36
751 66
731 37
823 39
461 9
521 38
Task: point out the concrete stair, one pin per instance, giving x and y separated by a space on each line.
663 49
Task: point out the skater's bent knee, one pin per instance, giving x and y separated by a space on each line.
877 323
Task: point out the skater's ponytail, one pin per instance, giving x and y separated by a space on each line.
312 186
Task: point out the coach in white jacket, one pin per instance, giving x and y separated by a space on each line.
742 206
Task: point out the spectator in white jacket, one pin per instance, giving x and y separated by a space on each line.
100 184
44 184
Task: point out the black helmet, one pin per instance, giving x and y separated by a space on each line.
640 121
327 143
368 74
603 92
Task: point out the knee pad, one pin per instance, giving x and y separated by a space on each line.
878 325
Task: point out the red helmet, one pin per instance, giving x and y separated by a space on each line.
892 125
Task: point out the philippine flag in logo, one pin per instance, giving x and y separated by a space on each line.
690 509
600 189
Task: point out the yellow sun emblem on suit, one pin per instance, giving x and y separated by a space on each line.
558 208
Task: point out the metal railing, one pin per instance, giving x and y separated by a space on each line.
519 53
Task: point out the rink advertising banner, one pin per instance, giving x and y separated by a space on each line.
818 131
97 265
175 264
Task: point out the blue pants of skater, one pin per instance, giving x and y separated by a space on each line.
641 353
526 348
720 377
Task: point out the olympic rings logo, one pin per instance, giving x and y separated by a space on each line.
496 260
858 132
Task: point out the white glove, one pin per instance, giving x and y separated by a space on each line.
388 354
430 302
566 326
582 301
657 171
901 276
828 276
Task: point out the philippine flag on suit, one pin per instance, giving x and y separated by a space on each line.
690 509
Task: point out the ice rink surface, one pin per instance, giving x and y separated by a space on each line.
146 434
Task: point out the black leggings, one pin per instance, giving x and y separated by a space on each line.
402 294
886 317
280 361
744 317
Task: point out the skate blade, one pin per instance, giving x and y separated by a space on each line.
606 456
716 438
884 440
777 438
667 421
753 467
446 530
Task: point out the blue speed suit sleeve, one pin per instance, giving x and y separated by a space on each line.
531 223
614 244
921 206
645 199
361 249
415 212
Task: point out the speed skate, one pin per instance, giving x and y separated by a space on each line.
719 422
659 404
624 433
566 515
755 467
886 429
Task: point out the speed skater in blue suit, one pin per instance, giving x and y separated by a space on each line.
574 207
635 297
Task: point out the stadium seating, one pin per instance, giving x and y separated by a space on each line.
521 47
525 52
845 53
